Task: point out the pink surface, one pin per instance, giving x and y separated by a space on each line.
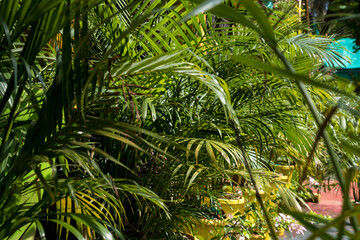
330 201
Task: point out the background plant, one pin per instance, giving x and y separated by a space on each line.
141 93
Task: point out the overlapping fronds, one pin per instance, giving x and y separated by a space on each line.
144 104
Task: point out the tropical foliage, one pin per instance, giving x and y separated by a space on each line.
345 14
117 117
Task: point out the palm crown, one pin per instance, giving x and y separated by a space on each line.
140 105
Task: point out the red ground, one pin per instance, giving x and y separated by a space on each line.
330 202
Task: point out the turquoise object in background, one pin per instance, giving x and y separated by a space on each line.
345 47
349 70
268 3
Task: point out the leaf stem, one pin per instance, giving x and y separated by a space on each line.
317 139
333 157
257 193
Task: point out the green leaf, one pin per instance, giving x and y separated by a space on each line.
210 152
282 72
69 227
144 109
201 8
92 223
41 230
259 15
153 111
193 177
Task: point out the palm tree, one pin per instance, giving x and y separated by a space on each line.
45 126
139 94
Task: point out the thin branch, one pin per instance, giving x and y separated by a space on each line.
333 157
317 139
257 193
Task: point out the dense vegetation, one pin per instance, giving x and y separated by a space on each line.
118 117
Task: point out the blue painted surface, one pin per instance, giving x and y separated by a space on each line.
345 47
351 74
268 3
